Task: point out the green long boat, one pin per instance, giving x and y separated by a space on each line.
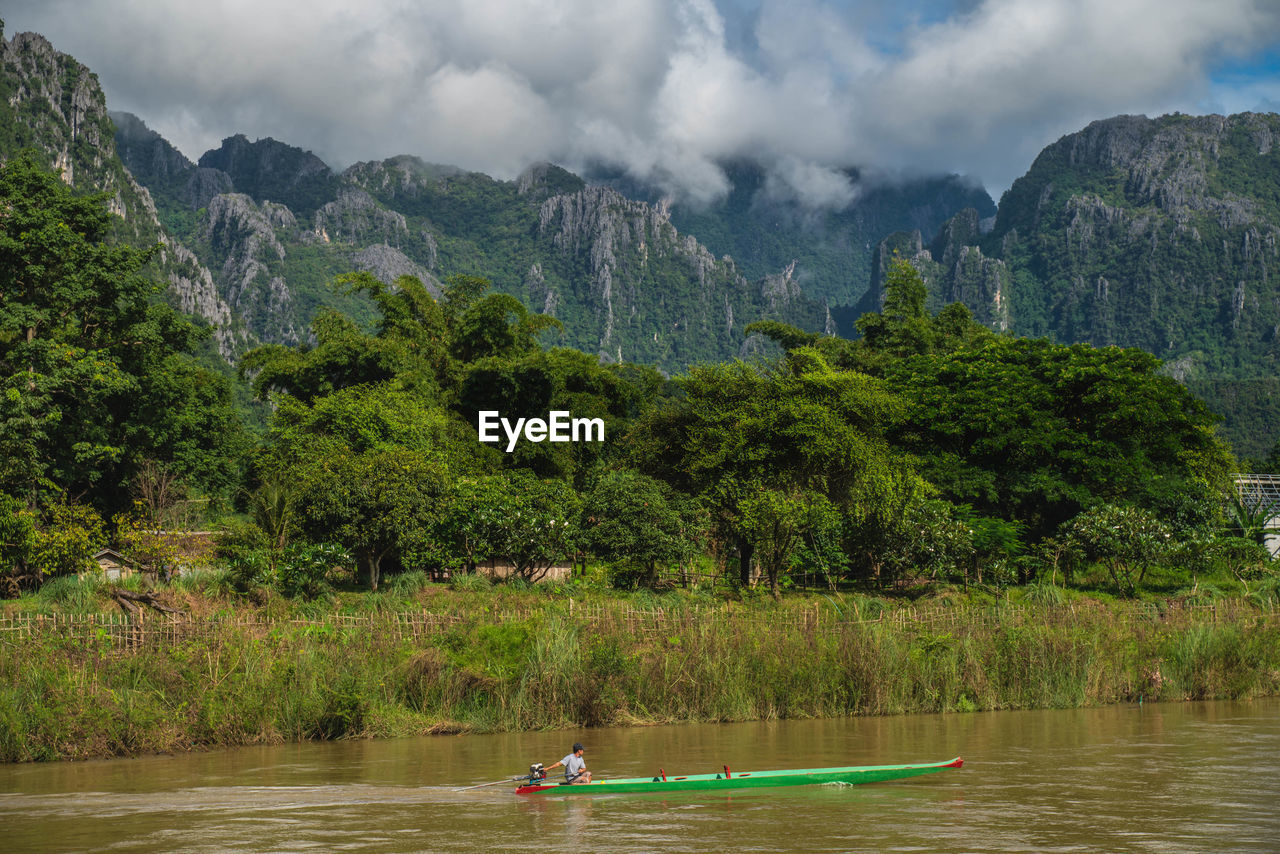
726 779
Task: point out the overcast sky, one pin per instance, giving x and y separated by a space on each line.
667 87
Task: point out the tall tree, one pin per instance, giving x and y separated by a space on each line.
92 373
377 504
1033 432
639 524
799 427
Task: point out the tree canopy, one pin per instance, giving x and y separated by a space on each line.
95 371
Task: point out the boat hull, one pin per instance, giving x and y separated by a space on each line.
746 780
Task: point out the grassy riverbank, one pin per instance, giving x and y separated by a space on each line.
437 660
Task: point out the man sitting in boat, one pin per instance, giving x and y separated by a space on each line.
575 767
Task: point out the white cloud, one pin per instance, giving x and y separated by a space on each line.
657 85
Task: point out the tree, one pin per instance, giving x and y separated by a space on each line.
144 540
1126 540
903 327
539 526
419 342
558 379
498 325
66 540
17 538
800 426
472 525
89 354
912 537
371 417
777 522
376 504
640 524
273 507
1033 432
1251 518
1272 463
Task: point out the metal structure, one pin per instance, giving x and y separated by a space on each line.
1262 492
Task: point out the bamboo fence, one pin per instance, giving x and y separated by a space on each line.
133 631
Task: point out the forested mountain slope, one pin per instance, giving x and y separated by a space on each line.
1162 234
255 231
53 104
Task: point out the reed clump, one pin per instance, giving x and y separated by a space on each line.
67 696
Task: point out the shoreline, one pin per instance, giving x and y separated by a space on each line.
241 677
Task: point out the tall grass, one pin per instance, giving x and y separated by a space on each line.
244 684
70 593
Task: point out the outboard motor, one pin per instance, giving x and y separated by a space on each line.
537 772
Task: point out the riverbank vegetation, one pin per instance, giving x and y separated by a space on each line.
433 659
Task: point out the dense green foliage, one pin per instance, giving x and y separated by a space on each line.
1028 430
94 372
928 450
1031 432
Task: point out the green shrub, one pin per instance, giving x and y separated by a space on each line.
72 592
470 582
304 569
405 584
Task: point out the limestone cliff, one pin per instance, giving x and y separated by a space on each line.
654 294
52 103
1162 234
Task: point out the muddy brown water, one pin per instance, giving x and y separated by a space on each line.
1190 777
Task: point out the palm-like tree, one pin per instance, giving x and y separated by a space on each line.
1252 517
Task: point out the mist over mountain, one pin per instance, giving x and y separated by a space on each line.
766 227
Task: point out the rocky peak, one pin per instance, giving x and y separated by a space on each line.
356 217
388 264
174 181
148 155
243 233
403 174
780 289
963 229
548 179
60 106
270 170
1174 163
233 220
56 106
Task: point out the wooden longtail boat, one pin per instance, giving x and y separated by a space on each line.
733 780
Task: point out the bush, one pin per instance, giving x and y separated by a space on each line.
239 539
406 584
72 592
67 540
249 570
470 582
303 570
1126 540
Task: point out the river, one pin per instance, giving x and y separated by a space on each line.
1187 777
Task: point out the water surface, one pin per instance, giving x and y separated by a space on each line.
1159 778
